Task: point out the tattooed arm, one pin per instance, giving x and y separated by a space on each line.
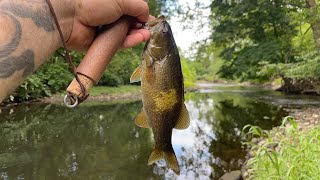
28 35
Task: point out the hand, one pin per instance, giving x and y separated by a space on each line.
89 14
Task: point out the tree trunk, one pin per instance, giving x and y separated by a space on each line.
314 21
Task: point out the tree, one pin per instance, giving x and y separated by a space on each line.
314 20
252 32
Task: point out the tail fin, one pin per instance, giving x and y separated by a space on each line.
169 157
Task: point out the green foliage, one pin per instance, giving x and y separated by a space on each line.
258 40
308 67
121 67
304 42
251 32
296 156
189 73
207 63
50 78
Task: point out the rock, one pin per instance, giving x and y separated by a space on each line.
254 140
306 123
250 154
262 142
266 117
233 175
244 168
248 147
245 175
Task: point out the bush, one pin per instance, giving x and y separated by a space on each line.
109 79
121 67
50 78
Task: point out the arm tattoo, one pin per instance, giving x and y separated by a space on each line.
39 12
10 65
7 49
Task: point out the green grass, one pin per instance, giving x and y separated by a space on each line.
297 156
99 90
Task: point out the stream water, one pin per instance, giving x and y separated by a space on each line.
101 141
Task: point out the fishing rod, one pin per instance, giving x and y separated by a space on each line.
96 60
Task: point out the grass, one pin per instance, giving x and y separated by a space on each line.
297 155
100 90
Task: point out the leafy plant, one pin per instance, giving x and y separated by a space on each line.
51 78
288 153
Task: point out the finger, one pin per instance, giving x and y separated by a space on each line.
101 12
136 37
151 18
81 43
136 8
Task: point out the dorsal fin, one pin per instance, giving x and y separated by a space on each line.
184 119
142 120
136 75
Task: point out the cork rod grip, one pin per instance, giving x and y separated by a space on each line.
99 55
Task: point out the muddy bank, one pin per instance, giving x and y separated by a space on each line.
97 98
307 118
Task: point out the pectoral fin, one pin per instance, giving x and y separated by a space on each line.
184 119
136 75
142 120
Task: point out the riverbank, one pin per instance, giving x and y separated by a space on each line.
103 93
106 93
287 151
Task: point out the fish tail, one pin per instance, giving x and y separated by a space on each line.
168 156
172 161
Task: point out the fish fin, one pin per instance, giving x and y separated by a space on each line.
172 161
168 156
142 120
136 75
155 156
184 119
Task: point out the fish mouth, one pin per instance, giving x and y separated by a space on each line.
155 21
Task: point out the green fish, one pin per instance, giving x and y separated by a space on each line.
163 92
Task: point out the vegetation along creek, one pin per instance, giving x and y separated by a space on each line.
99 140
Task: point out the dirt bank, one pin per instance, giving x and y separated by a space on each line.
97 98
306 117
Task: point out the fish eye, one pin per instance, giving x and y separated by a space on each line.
165 27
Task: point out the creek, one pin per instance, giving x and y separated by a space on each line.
99 140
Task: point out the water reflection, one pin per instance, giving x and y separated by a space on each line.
52 142
100 141
212 145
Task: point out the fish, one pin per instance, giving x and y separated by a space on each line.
162 88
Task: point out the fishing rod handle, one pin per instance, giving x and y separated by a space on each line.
99 56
